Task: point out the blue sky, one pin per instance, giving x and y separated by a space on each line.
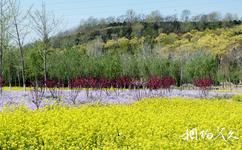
73 11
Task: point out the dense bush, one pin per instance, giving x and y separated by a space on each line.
154 82
104 83
157 82
122 82
167 82
75 83
203 83
51 83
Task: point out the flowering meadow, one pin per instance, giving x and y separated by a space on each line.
152 123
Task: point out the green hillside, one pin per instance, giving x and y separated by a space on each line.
205 47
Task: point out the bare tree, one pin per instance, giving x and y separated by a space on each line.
154 17
230 17
185 15
37 94
131 16
45 25
214 16
19 21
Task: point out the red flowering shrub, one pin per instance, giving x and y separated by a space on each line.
167 82
78 83
81 82
74 83
119 82
122 82
103 83
203 83
91 82
154 82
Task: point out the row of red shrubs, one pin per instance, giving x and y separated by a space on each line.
154 82
123 82
119 82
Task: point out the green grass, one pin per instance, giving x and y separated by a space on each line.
147 124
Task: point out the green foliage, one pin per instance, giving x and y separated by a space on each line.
11 65
200 65
34 62
64 64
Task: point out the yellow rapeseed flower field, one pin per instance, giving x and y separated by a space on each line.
150 124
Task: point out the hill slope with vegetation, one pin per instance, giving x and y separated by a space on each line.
137 46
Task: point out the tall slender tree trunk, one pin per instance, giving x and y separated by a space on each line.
21 54
181 76
9 79
45 52
19 80
36 81
45 65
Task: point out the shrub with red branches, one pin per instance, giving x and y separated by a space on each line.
54 88
75 84
37 92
